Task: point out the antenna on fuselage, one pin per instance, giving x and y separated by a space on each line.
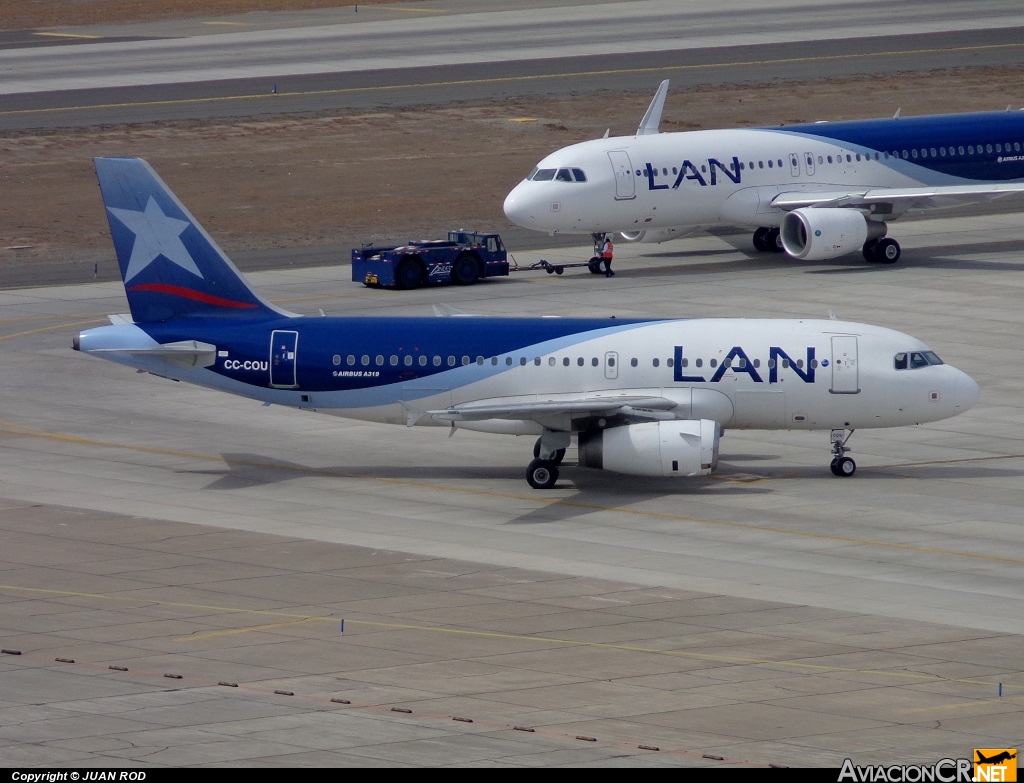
649 124
897 114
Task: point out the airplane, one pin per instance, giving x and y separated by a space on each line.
643 397
815 191
996 759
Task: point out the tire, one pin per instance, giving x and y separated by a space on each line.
542 474
869 250
774 240
845 467
466 269
594 265
409 274
887 251
559 270
761 240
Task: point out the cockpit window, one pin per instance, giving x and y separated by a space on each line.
559 175
914 360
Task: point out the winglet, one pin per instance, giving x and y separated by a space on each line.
652 120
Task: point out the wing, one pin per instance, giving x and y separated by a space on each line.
566 415
897 200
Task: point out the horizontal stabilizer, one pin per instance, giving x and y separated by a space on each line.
186 353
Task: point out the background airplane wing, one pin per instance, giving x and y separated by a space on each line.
898 199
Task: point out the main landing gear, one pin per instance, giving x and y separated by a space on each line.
841 464
882 251
768 239
542 473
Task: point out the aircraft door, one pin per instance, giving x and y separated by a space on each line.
282 359
611 365
844 365
625 185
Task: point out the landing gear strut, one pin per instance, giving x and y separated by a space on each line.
841 464
596 263
549 451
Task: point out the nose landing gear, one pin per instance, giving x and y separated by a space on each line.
841 464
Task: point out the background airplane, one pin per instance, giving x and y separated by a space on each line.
815 191
642 397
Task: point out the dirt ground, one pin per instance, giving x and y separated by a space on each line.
348 178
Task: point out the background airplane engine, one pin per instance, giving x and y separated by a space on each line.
818 234
654 235
656 448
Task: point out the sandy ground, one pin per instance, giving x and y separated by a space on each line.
343 179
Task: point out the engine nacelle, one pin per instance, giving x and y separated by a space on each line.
818 233
654 448
654 235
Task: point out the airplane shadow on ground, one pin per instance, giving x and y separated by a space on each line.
733 476
923 258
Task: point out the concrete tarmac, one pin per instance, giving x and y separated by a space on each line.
192 579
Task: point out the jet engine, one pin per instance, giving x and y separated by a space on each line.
817 233
654 448
654 235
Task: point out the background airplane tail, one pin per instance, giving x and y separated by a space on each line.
171 267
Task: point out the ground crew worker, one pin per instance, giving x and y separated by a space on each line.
607 252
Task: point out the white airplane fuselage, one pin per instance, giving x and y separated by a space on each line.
827 189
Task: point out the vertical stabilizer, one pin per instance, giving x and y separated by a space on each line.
652 120
171 267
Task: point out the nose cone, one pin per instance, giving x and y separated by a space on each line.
518 208
966 392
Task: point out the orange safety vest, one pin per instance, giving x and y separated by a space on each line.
606 251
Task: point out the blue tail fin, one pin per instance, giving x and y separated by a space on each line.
170 266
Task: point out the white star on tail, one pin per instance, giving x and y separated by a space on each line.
156 234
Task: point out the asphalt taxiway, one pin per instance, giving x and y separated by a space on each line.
191 579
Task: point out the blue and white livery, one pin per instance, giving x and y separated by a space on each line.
642 397
816 191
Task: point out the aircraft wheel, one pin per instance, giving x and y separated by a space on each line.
774 240
761 240
465 270
559 270
887 251
542 474
594 265
409 274
844 466
869 250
